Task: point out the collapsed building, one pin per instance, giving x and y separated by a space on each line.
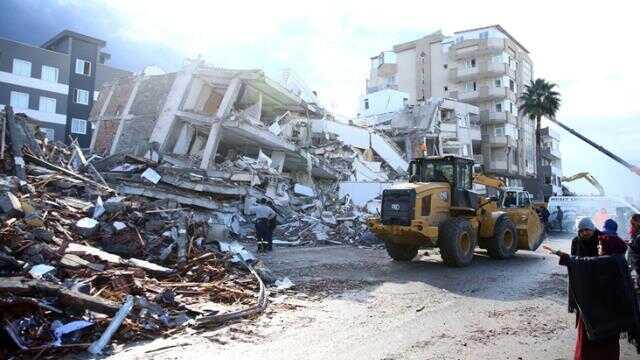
434 127
201 113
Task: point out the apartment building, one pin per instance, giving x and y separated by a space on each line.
56 83
485 67
551 165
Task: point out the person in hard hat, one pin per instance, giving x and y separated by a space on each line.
264 223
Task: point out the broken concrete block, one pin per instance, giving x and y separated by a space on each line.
114 204
99 209
87 226
246 177
34 220
303 190
329 218
40 270
217 232
42 234
119 226
10 205
26 187
151 175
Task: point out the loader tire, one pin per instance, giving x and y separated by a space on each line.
504 243
401 252
457 241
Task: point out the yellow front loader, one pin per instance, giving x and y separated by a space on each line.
438 208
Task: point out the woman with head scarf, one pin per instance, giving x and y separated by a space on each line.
604 296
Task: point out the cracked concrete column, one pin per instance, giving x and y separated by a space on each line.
125 114
103 109
172 104
184 140
278 158
211 148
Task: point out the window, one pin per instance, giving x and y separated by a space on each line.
83 67
366 104
470 86
446 88
498 83
47 105
78 126
81 96
499 131
498 107
512 85
484 35
471 63
21 67
510 107
459 39
50 133
49 73
19 100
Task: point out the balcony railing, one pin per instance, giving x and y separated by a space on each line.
485 69
473 48
550 152
491 117
486 93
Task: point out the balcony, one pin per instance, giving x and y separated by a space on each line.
500 141
477 47
491 117
550 152
485 69
486 93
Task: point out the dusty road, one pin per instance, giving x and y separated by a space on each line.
358 304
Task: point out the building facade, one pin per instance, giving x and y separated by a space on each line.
56 83
485 67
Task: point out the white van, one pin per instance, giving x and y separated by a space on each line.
575 208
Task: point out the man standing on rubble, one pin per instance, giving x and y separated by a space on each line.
265 220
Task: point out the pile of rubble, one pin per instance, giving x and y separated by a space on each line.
83 265
131 247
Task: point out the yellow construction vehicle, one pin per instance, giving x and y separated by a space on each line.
438 208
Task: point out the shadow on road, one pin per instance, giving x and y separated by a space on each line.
525 276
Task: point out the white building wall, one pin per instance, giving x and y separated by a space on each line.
407 76
439 75
381 102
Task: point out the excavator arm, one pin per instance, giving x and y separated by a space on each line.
585 175
631 167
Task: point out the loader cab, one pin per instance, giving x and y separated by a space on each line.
456 171
514 197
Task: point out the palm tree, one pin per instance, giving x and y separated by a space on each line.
538 100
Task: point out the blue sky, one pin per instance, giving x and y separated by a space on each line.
589 51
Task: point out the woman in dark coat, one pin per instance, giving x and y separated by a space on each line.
603 293
634 246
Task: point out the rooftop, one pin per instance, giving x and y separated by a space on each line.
68 33
499 28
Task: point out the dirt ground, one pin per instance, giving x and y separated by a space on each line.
352 303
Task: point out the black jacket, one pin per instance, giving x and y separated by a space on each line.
580 247
604 296
634 245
